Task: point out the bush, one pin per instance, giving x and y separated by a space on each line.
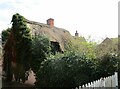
74 70
68 71
107 65
40 51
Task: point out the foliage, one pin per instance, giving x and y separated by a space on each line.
22 40
85 47
76 66
18 47
7 54
40 51
5 34
107 65
61 72
74 69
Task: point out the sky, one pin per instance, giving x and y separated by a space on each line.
97 19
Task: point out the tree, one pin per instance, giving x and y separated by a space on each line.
40 51
17 49
81 45
22 41
5 34
74 69
7 56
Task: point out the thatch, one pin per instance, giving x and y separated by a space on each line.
109 45
55 34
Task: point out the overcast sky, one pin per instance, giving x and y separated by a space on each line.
95 18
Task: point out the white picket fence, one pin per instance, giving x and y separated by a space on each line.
111 81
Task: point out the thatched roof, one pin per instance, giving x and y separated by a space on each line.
109 45
55 34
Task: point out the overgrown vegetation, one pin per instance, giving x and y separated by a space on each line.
40 51
82 46
5 34
74 69
17 48
76 66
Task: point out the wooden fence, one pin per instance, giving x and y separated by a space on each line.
107 82
0 82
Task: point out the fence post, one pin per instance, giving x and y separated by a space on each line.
76 88
110 81
80 87
116 78
0 82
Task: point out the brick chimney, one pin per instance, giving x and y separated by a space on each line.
50 22
77 34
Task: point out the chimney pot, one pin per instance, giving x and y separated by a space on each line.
50 22
77 34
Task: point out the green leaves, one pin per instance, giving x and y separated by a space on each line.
74 69
63 71
79 45
5 34
40 51
22 38
76 66
18 46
